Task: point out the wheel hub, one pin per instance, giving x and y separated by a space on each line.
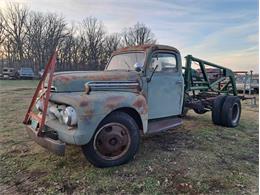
235 113
112 141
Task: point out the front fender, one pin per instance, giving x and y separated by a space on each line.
93 108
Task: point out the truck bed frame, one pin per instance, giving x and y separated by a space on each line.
200 91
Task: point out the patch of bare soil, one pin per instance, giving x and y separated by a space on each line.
24 183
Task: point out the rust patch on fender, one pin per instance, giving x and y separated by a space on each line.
143 94
113 101
86 118
86 106
84 103
64 78
140 104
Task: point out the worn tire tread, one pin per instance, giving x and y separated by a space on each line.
217 110
130 123
226 114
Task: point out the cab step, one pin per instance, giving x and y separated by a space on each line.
163 124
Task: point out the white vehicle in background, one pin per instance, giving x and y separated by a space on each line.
243 84
8 73
255 84
40 73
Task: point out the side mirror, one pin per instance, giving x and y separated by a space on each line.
138 67
150 78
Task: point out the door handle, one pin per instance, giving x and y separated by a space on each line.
179 82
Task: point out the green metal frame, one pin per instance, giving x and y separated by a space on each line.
190 85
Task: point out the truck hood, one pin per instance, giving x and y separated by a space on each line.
74 81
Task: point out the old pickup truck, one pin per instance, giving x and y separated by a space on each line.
143 89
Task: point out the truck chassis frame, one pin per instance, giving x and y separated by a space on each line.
200 91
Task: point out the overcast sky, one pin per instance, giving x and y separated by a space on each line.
221 31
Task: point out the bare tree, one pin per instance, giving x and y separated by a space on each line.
2 52
35 38
111 43
93 32
14 21
45 33
1 27
139 34
29 38
69 49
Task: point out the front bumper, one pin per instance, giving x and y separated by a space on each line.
55 146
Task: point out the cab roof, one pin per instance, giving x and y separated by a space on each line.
144 48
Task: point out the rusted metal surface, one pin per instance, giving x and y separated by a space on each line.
145 48
93 108
54 146
113 85
75 81
42 94
241 72
134 48
163 124
250 97
203 103
112 141
107 91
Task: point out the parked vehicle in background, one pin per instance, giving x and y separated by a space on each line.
243 84
255 84
8 73
40 73
25 73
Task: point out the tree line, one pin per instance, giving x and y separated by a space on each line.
28 38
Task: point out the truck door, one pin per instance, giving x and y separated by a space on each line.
165 89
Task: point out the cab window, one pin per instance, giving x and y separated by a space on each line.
166 62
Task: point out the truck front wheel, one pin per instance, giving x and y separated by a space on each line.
115 141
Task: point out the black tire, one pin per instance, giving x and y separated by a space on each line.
231 111
217 110
199 110
96 157
184 112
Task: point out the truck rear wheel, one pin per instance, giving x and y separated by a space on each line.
184 112
217 110
231 111
115 142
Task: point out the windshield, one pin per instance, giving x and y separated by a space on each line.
27 70
255 81
126 61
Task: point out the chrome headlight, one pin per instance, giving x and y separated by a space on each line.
69 116
39 105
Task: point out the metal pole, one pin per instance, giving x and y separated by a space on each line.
253 102
245 79
250 81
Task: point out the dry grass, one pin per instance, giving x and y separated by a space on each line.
197 157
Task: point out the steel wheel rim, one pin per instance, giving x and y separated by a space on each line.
235 113
112 141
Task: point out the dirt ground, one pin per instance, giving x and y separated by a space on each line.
196 158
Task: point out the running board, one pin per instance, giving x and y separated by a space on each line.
158 125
